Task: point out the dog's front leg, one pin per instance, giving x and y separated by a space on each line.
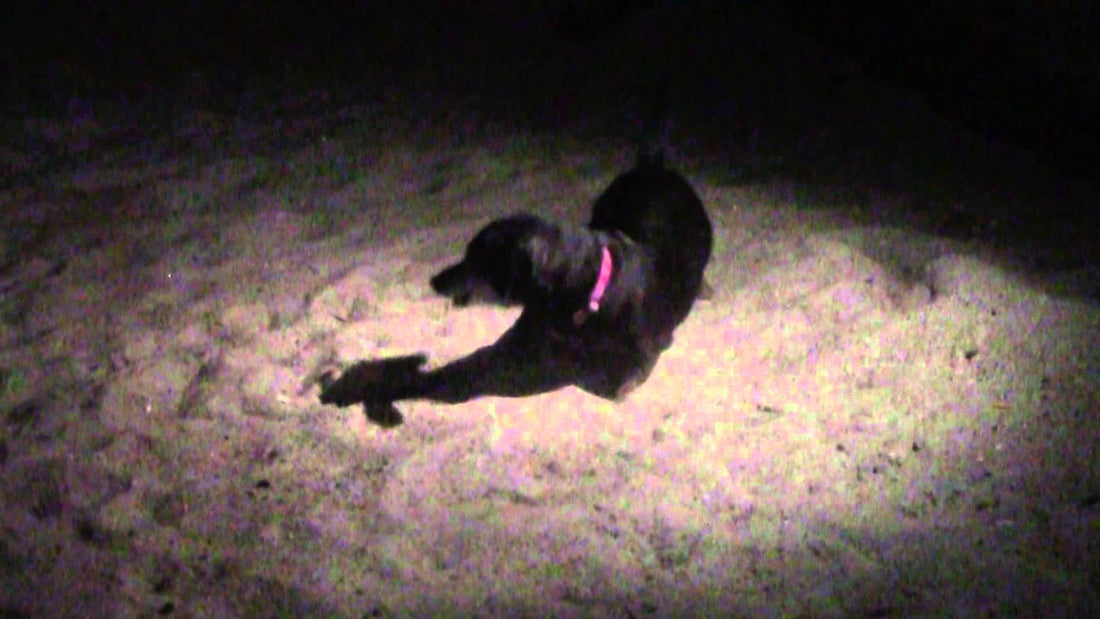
507 368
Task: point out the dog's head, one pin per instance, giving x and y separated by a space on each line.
502 263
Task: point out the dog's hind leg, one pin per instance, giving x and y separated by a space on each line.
615 387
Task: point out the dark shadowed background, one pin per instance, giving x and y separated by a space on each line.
1013 70
1013 80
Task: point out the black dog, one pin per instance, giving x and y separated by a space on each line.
600 303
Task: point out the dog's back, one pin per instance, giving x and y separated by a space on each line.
657 209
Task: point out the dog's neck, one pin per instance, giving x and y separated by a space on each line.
600 287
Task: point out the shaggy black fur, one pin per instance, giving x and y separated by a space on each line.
660 240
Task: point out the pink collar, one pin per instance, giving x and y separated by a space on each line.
597 291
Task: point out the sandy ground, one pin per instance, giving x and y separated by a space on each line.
881 412
864 421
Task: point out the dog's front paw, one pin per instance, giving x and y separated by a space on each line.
371 382
331 393
338 392
385 415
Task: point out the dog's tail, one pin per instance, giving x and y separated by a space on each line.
653 139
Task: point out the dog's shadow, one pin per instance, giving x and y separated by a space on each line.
526 360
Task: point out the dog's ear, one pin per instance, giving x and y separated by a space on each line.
540 251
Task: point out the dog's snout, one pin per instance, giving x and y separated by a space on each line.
459 284
444 281
452 282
